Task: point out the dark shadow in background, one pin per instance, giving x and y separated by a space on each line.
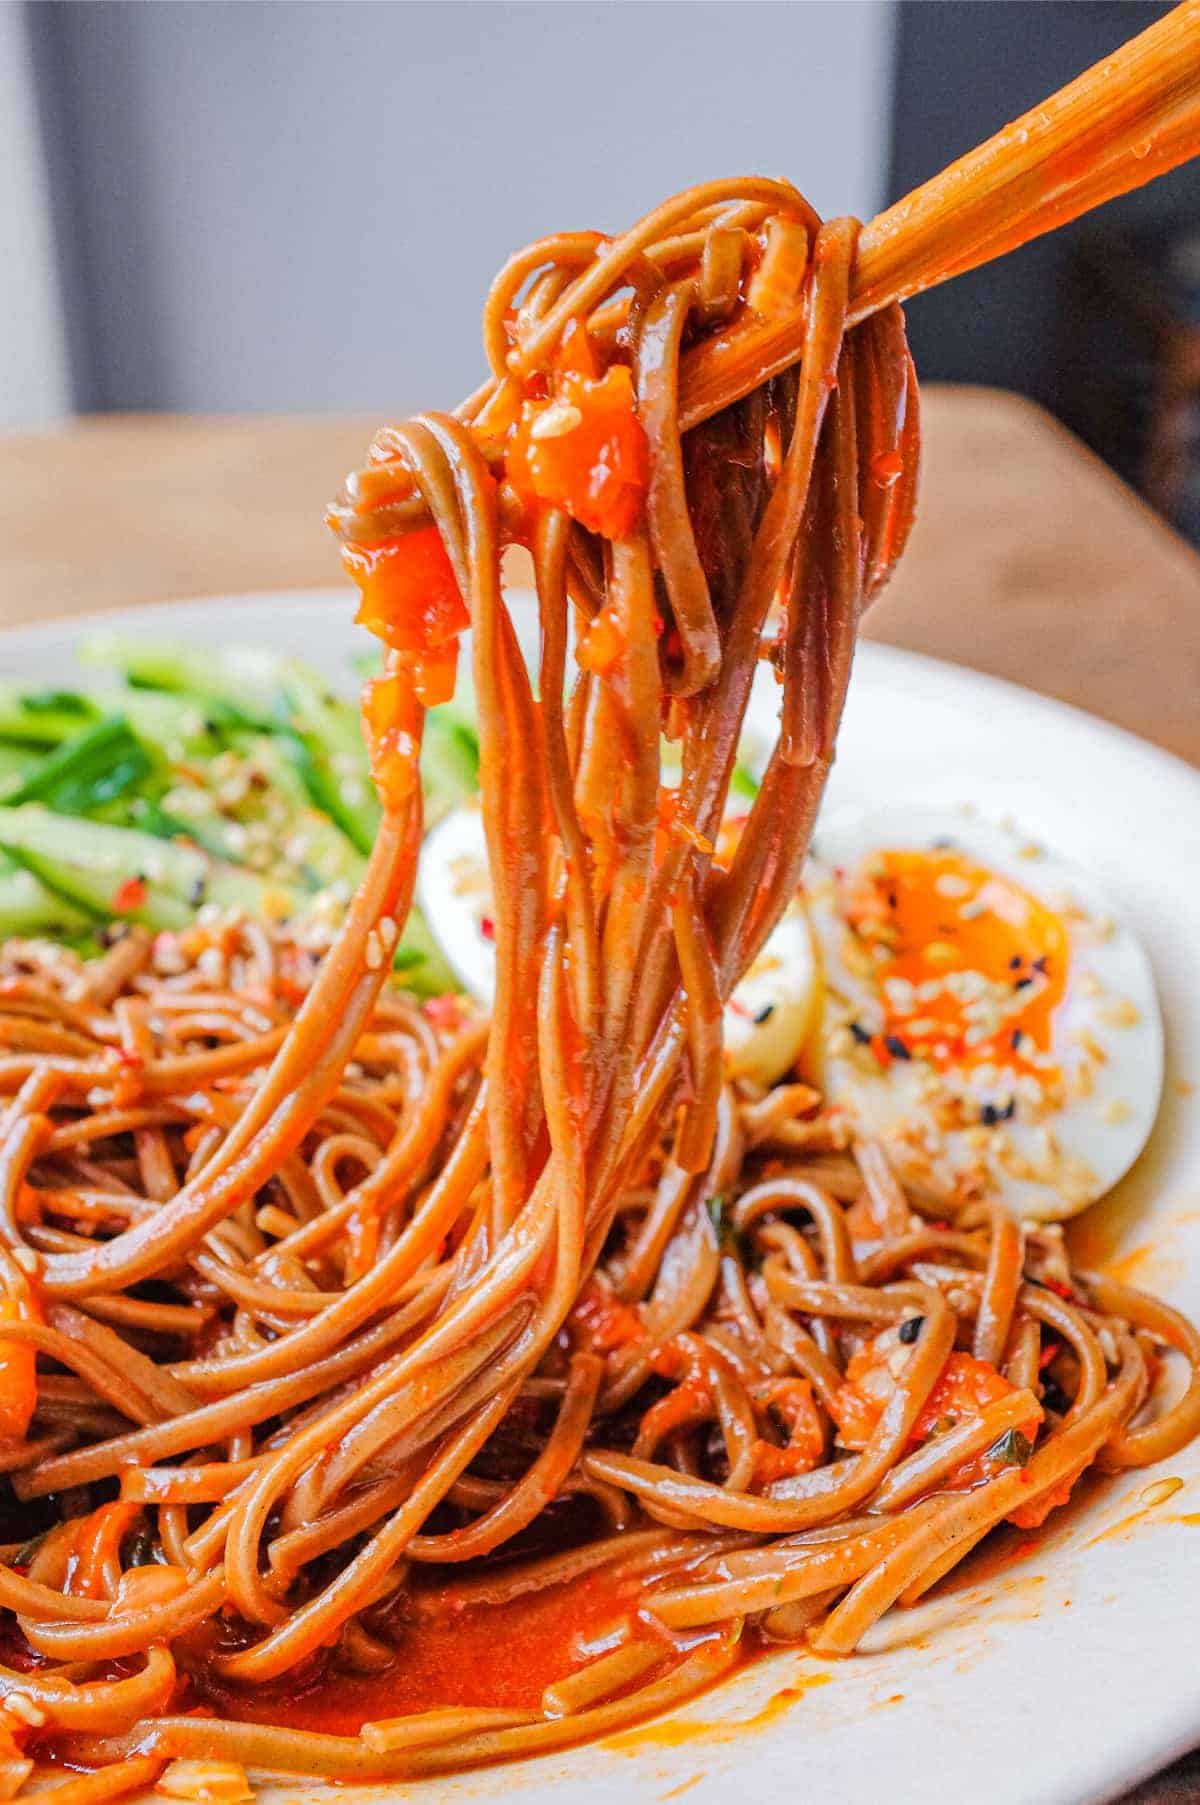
965 67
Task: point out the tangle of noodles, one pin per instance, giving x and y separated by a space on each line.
331 1322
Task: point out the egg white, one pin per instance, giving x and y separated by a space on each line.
770 1015
1077 1151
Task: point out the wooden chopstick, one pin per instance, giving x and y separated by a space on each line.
1115 127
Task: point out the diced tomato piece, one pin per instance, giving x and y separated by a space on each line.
18 1369
575 356
410 595
792 1401
130 894
855 1416
604 1322
601 646
965 1385
391 715
585 451
1034 1514
444 1012
434 676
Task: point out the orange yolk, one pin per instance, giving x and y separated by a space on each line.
944 922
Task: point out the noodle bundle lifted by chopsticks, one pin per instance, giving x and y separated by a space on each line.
329 1319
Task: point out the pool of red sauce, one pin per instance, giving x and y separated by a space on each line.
502 1655
505 1655
451 1653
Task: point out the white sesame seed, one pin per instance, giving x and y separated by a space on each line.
557 420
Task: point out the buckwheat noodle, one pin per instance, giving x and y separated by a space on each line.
340 1311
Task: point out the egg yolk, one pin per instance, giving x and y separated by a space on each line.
969 966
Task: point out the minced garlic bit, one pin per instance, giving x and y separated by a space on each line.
374 953
223 1782
27 1260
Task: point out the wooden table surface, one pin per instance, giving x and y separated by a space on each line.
1029 560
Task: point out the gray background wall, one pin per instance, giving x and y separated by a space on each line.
297 207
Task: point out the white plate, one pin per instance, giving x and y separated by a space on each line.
1069 1677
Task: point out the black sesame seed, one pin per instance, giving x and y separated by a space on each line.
896 1047
1022 983
1040 964
765 1013
860 1034
1017 1037
910 1328
989 1115
1014 963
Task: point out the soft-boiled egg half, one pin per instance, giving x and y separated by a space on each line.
987 1015
954 989
769 1018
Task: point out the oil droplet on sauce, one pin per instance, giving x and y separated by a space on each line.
1149 1497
